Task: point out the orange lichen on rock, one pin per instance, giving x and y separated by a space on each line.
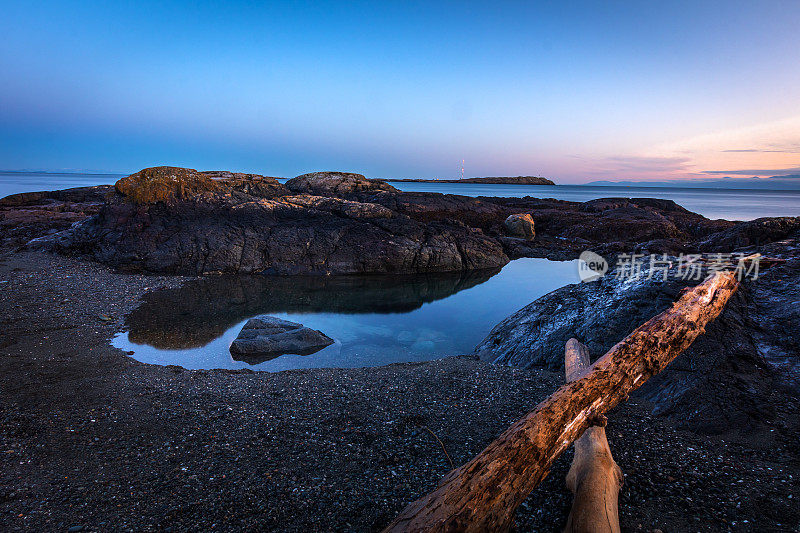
165 184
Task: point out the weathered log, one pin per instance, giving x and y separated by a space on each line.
483 494
594 477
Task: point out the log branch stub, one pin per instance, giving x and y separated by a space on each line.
576 359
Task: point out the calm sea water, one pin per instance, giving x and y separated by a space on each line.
731 204
14 182
374 320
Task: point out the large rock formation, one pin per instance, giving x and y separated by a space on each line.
171 185
752 234
607 226
176 220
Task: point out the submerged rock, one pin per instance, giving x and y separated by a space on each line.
521 226
266 337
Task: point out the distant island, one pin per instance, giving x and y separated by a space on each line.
507 180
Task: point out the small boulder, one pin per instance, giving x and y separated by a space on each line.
265 337
521 225
333 183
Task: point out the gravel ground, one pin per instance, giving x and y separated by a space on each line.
92 440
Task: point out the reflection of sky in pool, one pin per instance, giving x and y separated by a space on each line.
375 320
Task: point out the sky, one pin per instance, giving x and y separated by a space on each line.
575 91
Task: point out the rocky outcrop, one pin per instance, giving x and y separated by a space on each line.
75 195
185 222
266 337
176 220
31 215
165 184
336 183
521 226
753 234
725 380
170 185
607 226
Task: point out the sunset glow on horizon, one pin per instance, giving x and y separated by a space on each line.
576 93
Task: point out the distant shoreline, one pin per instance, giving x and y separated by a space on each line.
595 185
515 180
60 173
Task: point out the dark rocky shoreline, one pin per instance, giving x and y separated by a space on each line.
91 438
180 221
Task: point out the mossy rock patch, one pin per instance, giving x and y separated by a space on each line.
165 184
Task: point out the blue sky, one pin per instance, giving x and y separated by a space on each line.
574 91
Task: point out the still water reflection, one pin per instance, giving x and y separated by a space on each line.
374 320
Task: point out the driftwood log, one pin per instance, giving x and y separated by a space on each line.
483 494
594 477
